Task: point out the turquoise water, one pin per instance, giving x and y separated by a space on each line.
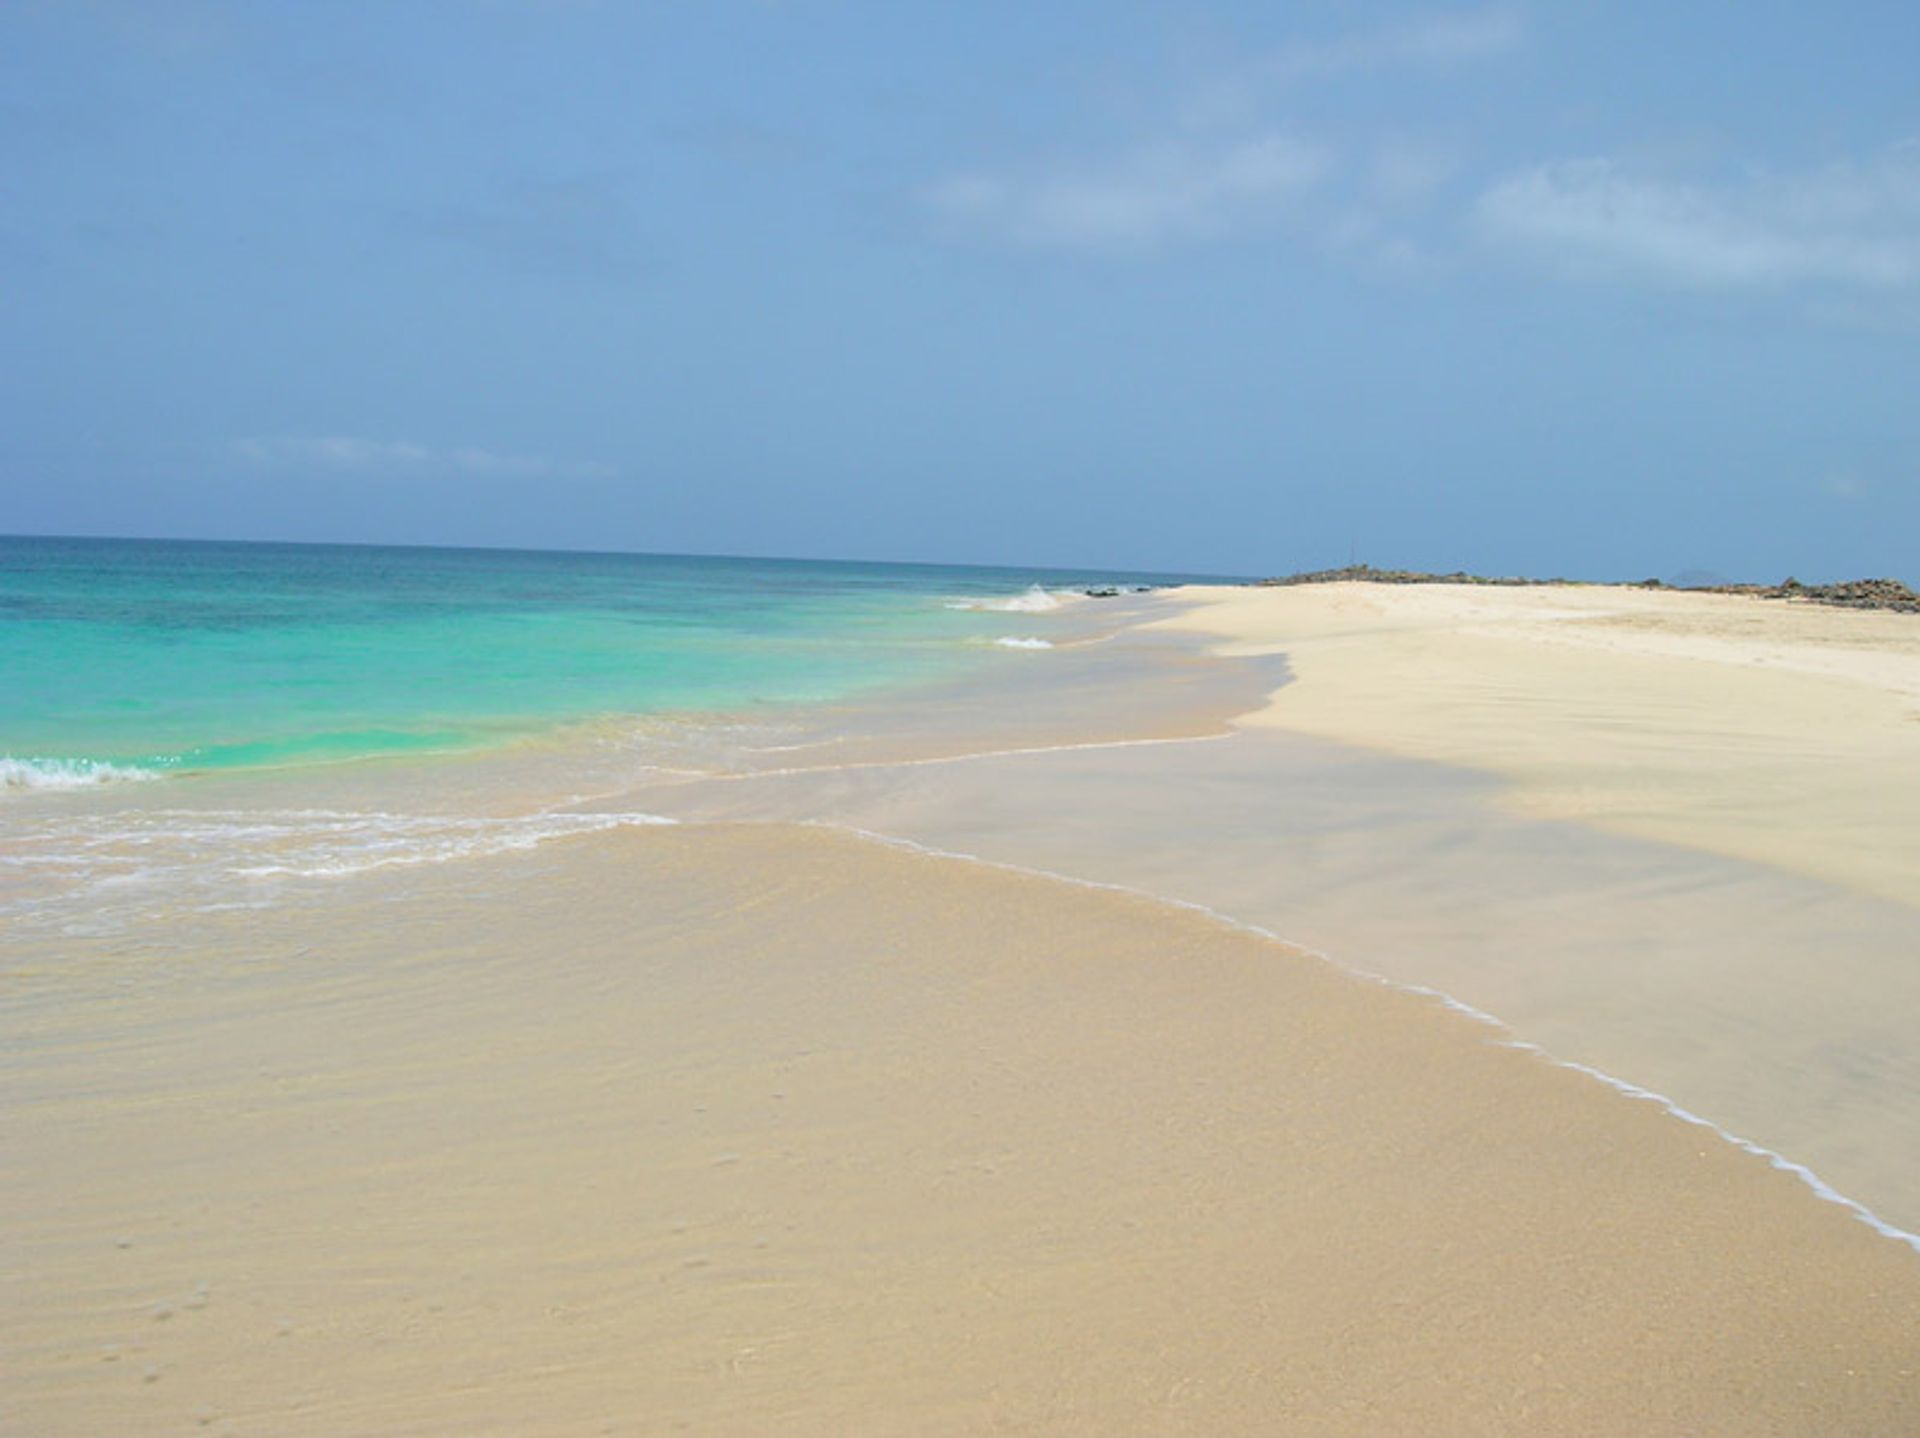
125 657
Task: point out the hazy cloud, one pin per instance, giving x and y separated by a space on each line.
399 458
1429 43
1159 192
1404 172
1851 225
1222 162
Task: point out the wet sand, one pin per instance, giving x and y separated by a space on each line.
1772 999
1774 1004
758 1129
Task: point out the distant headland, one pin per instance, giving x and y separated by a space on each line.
1848 594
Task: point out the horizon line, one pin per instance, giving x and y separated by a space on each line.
1080 569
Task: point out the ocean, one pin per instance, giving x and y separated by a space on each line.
136 658
182 721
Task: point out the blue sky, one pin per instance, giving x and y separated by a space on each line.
1593 289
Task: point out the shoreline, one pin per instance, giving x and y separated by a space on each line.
1819 1187
818 1134
504 1029
1612 954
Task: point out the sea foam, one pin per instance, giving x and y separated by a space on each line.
1034 600
1012 641
66 773
349 844
95 873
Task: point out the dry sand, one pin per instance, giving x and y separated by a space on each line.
1787 734
759 1130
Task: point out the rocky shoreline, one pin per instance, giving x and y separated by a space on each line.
1889 594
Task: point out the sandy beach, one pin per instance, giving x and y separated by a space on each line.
1783 733
1767 998
796 1133
761 1122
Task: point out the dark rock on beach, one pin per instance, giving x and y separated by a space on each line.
1848 594
1366 573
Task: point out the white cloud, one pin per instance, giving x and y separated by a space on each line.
1220 163
349 454
1164 191
1847 225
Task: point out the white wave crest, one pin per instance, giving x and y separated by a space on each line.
1035 600
1012 641
66 773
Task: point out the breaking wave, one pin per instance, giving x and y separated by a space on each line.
18 774
1035 600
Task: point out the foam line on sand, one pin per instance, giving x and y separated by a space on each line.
1820 1187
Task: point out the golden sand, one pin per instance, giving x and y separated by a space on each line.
761 1130
1787 734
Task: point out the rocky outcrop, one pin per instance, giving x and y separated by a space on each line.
1849 594
1367 574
